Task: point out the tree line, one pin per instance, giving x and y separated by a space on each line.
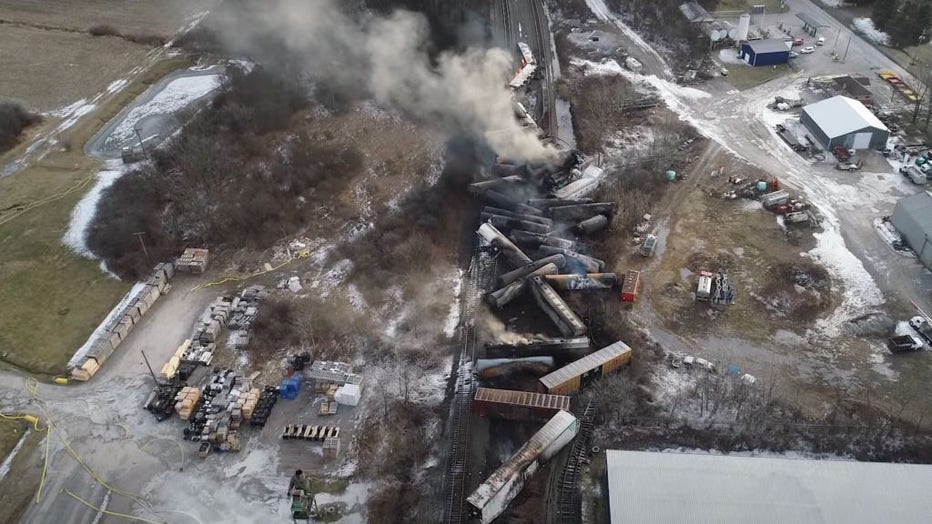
906 21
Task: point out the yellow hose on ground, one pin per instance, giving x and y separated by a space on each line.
81 184
245 277
108 512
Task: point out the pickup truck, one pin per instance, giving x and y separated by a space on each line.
914 174
922 326
904 343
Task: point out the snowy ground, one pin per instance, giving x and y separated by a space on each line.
866 27
84 212
175 96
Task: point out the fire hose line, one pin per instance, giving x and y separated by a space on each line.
32 387
246 277
81 184
180 448
99 509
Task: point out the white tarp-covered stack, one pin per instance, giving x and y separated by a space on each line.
348 394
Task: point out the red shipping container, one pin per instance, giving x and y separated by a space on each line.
629 290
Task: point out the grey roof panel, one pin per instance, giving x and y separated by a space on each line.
839 115
769 46
680 487
587 363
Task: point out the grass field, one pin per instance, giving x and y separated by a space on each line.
53 298
48 69
745 77
152 16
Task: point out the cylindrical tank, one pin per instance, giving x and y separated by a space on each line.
506 213
497 240
526 238
591 225
557 260
508 223
587 281
744 23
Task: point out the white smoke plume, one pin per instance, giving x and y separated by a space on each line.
387 57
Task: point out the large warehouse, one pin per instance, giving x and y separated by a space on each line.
765 52
912 218
843 121
680 487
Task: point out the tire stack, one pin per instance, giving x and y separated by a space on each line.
264 407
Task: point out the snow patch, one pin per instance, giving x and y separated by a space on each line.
83 213
861 292
729 56
453 318
602 12
176 95
117 85
866 27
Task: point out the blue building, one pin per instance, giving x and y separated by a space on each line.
765 52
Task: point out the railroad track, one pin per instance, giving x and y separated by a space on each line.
543 45
481 271
568 500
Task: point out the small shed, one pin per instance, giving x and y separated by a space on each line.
843 121
570 378
912 218
765 52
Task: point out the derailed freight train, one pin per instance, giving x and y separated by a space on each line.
492 497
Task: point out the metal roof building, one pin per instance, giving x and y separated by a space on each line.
912 218
679 487
765 52
842 121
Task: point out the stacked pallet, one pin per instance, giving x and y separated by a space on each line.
186 401
87 370
170 368
331 448
328 407
121 320
309 432
250 400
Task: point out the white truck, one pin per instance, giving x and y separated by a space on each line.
704 287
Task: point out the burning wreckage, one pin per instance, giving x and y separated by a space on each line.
542 244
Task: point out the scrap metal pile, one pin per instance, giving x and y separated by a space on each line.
553 230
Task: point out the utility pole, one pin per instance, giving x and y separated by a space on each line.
846 50
145 358
143 243
142 145
837 34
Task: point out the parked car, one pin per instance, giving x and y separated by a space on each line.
820 41
807 50
798 42
914 174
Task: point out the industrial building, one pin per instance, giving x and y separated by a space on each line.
912 218
765 52
842 121
681 487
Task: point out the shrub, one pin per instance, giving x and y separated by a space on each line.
146 39
103 30
13 120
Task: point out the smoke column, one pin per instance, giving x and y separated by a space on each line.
387 57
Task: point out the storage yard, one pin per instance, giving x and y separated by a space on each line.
441 282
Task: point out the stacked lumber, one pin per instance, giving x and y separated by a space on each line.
170 368
250 400
186 400
87 370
